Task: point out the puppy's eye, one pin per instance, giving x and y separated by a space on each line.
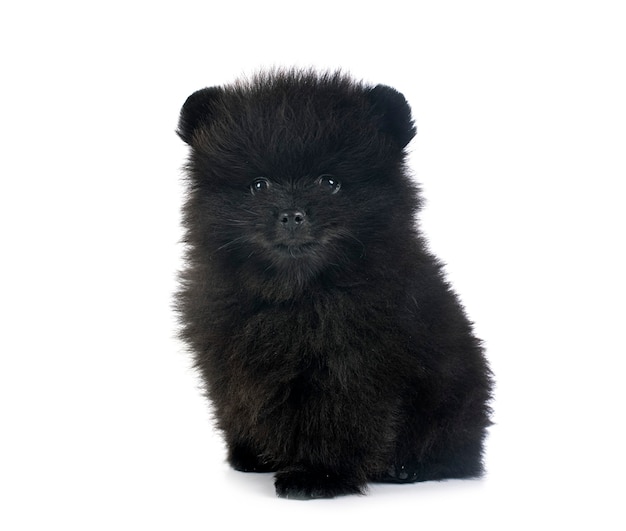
329 184
259 185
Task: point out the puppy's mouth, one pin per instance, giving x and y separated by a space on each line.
296 250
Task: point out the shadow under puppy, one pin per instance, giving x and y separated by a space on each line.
332 348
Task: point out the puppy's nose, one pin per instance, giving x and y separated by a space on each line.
291 218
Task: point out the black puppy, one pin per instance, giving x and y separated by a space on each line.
333 350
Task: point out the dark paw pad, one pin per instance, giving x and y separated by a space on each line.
313 484
401 474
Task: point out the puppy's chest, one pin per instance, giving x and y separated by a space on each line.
298 352
287 332
311 330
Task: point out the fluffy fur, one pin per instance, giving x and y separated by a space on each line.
333 350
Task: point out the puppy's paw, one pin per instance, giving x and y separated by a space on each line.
243 459
307 484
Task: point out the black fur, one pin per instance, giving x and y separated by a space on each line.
333 350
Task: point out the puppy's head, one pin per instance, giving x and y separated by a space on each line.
295 174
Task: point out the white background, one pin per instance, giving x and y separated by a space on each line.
521 113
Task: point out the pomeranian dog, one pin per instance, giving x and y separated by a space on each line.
333 350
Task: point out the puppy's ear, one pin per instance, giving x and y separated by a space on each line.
197 110
393 114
